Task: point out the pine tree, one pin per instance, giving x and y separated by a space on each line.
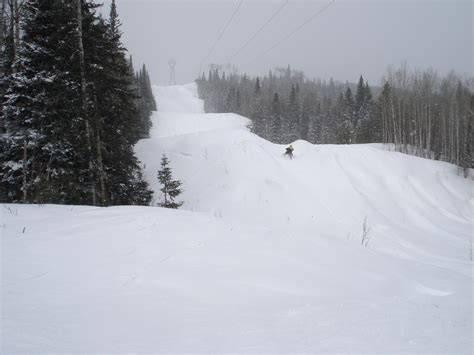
238 102
171 188
275 123
9 50
349 106
121 122
345 125
360 97
258 114
146 90
316 125
231 101
70 112
293 117
305 118
41 109
368 127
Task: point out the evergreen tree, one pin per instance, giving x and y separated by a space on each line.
293 117
171 188
368 127
231 101
275 123
142 100
238 102
41 110
147 92
349 106
360 97
70 112
120 124
305 119
345 127
316 125
258 114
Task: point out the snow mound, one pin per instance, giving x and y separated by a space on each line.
265 257
413 206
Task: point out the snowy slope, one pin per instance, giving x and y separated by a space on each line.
267 257
415 206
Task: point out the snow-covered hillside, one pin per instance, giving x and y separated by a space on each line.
415 207
265 257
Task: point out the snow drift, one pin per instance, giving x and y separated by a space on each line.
265 257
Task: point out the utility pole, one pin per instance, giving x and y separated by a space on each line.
172 64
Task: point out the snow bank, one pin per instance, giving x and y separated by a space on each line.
266 256
137 279
410 203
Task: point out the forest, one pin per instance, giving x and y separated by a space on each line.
73 106
414 112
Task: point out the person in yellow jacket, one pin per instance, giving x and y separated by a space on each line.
289 151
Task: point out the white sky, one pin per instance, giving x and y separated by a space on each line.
350 38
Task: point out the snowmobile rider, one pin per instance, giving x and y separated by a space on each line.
289 151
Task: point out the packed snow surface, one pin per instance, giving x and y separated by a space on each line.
265 255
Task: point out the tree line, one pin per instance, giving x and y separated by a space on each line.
414 112
285 106
429 116
72 106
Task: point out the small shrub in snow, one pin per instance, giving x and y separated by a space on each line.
171 188
365 233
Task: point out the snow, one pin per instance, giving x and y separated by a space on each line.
265 256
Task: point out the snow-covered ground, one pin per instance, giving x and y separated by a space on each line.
265 256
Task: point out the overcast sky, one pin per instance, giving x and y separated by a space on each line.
350 38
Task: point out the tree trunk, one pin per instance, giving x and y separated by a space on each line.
100 164
17 25
2 33
25 168
11 34
2 60
84 102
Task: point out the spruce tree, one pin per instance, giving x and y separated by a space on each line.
70 112
368 127
238 102
171 188
147 93
360 96
41 162
122 125
275 124
230 101
293 117
345 125
316 125
305 118
258 114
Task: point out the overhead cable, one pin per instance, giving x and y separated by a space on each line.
221 33
294 31
258 31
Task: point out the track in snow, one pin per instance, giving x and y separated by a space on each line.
415 204
266 259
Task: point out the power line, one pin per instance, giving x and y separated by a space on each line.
221 34
258 31
294 31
